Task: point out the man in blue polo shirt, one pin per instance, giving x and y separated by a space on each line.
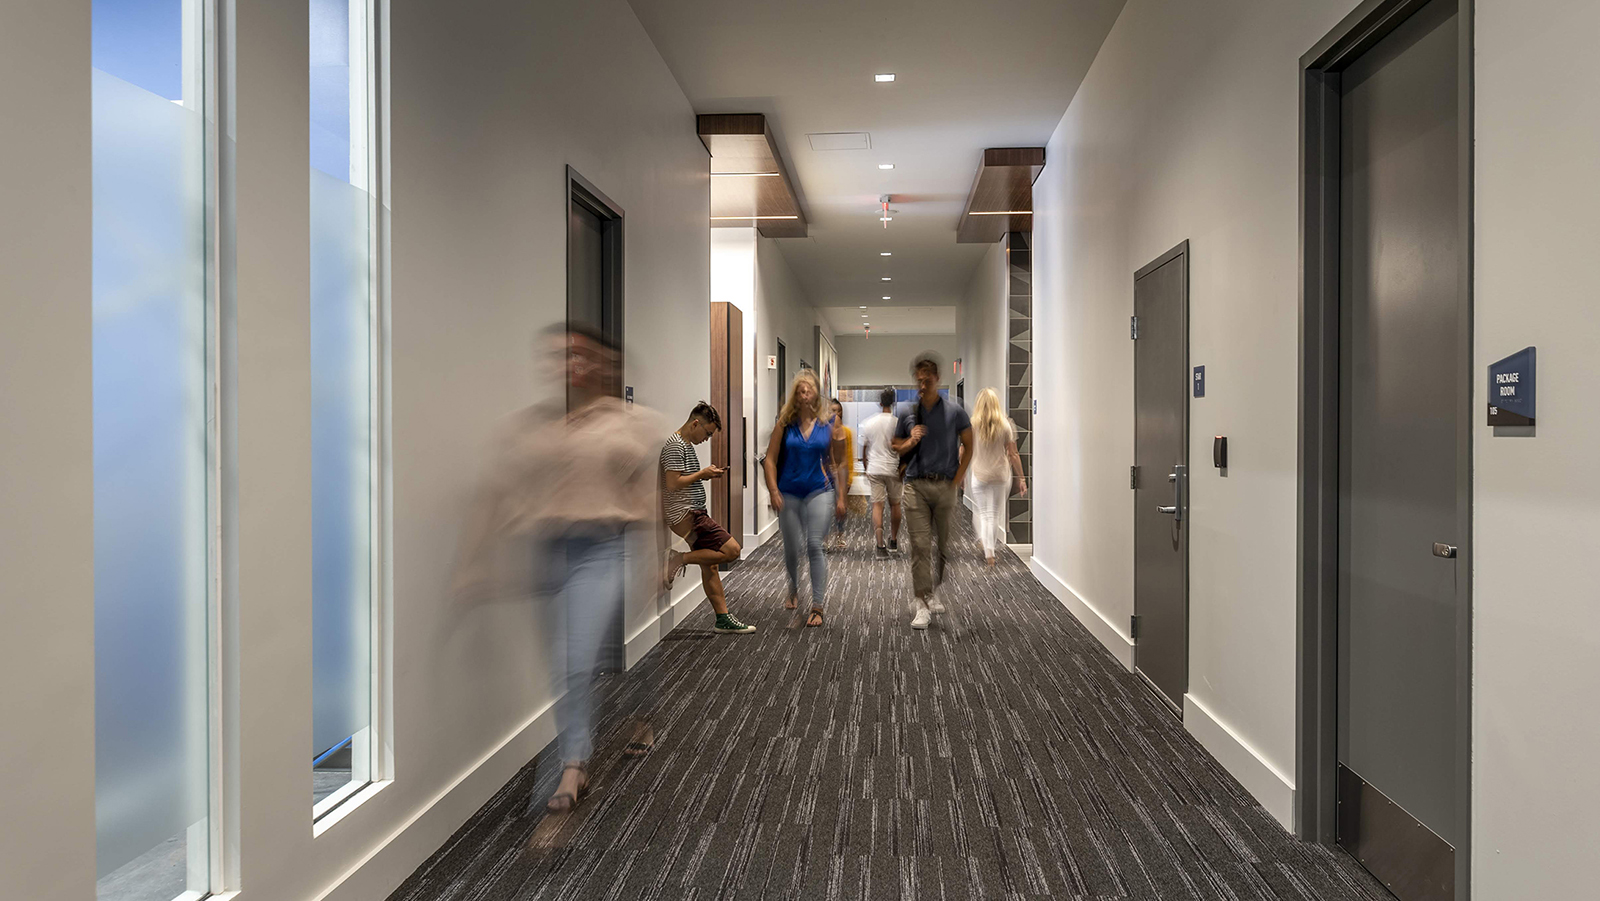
935 440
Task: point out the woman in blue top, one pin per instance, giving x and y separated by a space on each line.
802 488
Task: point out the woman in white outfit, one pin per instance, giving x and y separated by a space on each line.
995 462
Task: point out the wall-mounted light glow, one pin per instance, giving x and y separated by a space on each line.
745 174
721 218
886 165
882 77
1001 213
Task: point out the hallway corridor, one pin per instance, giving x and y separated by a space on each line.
1000 754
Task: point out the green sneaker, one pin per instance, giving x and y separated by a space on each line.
726 623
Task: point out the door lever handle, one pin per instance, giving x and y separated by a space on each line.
1171 510
1441 549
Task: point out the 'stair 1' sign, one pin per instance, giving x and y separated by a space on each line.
1511 389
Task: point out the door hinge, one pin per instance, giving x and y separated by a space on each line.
1133 477
1133 626
1133 327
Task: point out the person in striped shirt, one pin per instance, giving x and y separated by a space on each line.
683 501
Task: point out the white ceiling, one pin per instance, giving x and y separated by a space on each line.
970 74
887 320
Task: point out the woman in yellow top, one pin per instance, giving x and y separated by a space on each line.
844 442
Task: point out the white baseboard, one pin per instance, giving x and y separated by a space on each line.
414 840
1115 640
1273 789
1021 550
687 593
753 540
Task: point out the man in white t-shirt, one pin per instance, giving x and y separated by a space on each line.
883 470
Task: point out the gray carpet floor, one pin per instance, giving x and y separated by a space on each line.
1000 754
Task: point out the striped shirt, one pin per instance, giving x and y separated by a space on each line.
678 455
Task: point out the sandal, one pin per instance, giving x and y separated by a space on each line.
638 746
815 618
792 603
562 802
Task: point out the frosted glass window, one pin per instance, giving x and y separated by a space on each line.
151 536
341 401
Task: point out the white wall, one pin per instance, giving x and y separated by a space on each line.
47 832
981 324
783 312
733 280
490 103
1536 621
1184 128
886 359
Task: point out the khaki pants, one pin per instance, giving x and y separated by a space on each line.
930 508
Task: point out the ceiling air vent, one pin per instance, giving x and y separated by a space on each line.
841 140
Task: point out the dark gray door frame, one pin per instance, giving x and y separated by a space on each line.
1318 507
1181 250
612 218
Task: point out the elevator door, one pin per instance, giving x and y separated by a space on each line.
1399 322
1160 449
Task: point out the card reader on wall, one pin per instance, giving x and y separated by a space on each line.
1219 452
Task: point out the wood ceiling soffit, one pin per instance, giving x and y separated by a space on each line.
1004 182
741 142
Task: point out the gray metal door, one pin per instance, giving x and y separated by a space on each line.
1161 455
1399 366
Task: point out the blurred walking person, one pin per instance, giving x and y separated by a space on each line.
803 468
572 481
996 467
936 439
845 441
683 502
883 470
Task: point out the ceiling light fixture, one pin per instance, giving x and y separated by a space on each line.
885 297
885 254
722 218
887 279
886 219
886 165
745 174
1001 213
883 77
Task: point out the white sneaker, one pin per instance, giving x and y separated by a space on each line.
921 618
935 606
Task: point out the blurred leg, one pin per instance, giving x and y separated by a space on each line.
818 518
791 525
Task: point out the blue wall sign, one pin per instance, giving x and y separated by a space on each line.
1511 389
1199 381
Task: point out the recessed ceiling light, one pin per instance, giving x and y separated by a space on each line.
863 306
886 254
886 165
887 279
886 219
882 77
885 297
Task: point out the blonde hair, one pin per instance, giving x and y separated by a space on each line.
791 407
988 421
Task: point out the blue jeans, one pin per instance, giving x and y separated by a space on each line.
586 573
804 521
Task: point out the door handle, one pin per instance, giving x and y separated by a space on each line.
1172 510
1440 549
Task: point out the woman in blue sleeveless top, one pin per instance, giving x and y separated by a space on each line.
802 467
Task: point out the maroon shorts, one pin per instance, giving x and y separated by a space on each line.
707 533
